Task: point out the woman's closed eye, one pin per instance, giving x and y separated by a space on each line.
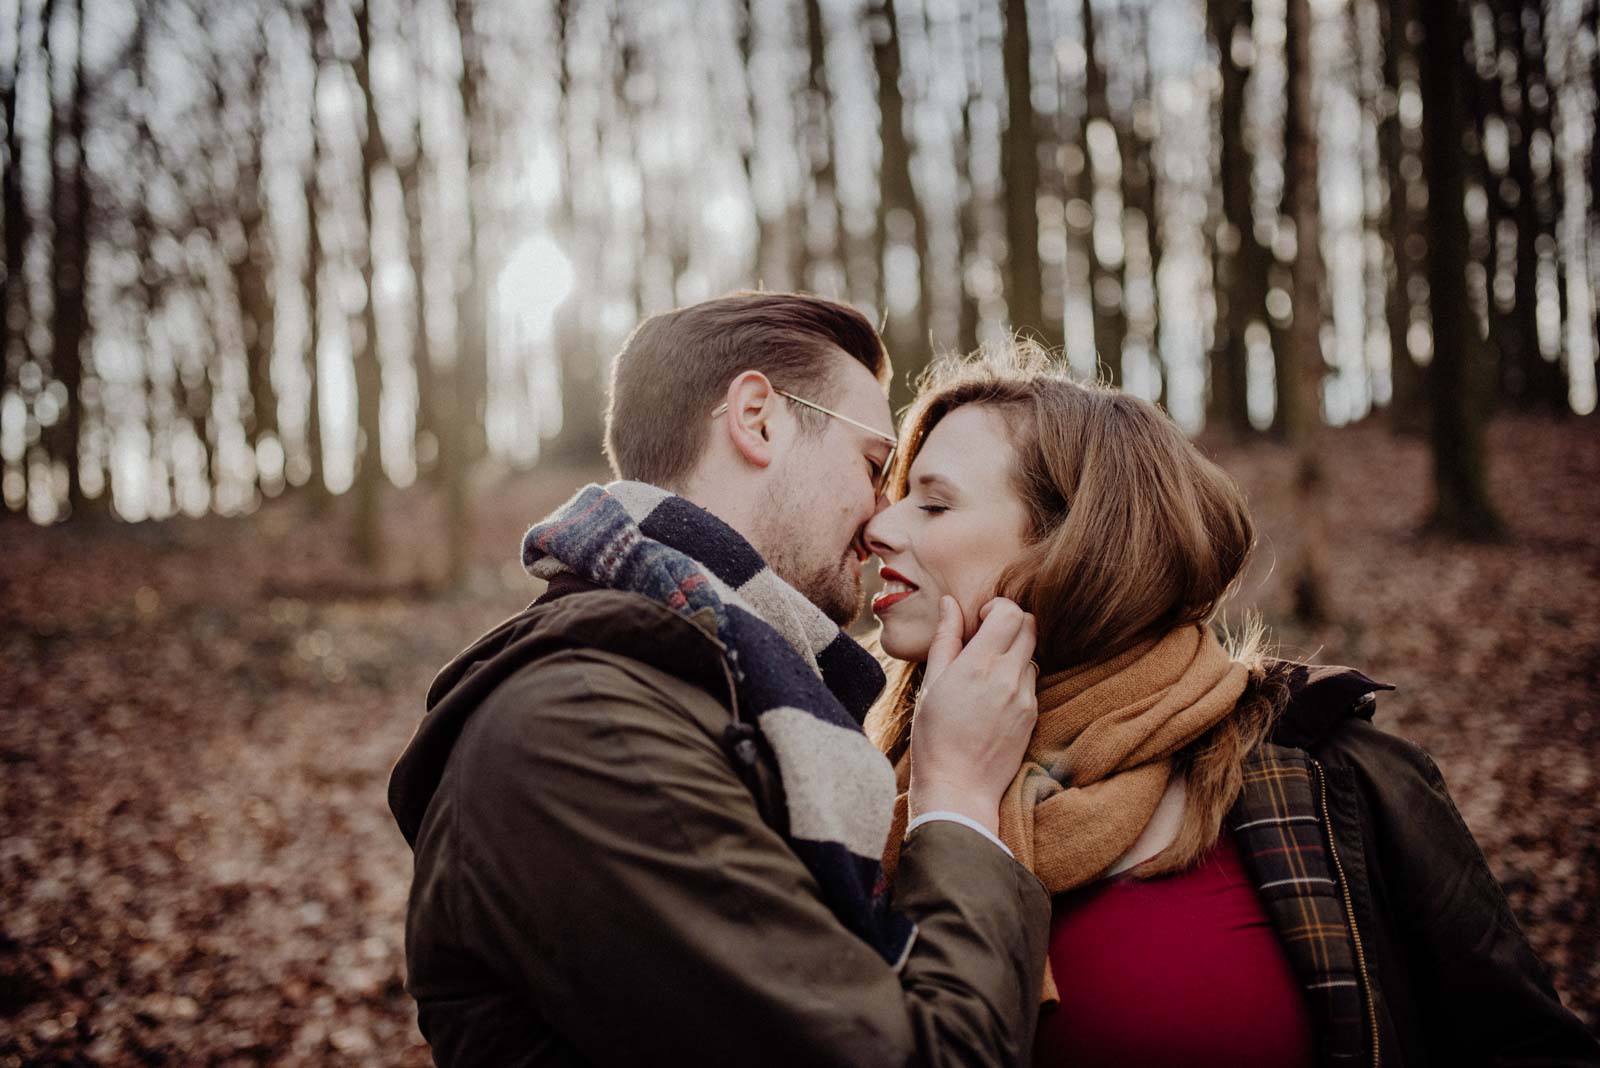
933 509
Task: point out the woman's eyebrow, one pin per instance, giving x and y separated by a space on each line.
926 480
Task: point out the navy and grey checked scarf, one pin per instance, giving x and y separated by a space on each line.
806 682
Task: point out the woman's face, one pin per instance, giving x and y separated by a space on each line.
959 525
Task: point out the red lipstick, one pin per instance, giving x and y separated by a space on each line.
885 601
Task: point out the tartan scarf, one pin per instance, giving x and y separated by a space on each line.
806 682
1279 826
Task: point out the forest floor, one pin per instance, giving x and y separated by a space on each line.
198 718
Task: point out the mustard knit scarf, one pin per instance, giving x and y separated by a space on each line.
1101 756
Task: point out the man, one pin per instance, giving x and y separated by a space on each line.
646 822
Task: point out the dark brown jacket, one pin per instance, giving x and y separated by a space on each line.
596 884
1387 910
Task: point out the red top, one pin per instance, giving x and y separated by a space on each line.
1180 970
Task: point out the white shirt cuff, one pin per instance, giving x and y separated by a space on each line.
965 821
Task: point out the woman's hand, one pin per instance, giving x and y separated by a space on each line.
975 714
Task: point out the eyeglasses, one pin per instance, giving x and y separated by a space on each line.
880 477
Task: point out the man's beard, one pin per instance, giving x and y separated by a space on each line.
833 588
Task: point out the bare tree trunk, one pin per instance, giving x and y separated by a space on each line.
1140 201
368 368
970 228
1077 199
582 393
1408 403
1241 261
634 117
14 309
461 400
473 357
1456 381
1105 285
252 262
1594 173
316 480
316 477
1153 238
780 232
771 262
817 129
1020 165
198 401
900 214
1541 380
744 40
149 280
1485 108
1304 422
71 213
426 443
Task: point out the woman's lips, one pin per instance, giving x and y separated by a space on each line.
885 601
900 588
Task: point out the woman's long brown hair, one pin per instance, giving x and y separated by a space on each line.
1132 532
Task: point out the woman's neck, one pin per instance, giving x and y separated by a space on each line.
1160 832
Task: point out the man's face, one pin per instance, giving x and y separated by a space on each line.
823 493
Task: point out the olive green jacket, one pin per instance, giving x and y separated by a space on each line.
597 883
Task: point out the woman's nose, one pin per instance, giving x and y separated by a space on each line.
881 535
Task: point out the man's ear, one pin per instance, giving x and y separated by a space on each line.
751 403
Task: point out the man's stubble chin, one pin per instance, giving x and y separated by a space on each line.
832 585
837 591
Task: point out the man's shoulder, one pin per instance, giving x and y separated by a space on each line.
580 626
612 655
621 627
587 676
560 669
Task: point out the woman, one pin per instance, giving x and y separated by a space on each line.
1245 870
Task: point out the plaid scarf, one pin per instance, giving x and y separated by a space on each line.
807 683
1278 826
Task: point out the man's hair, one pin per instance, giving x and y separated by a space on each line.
675 367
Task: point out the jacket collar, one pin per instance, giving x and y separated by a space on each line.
1320 696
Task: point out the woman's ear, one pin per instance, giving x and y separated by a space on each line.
750 402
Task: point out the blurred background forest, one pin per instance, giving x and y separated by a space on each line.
314 246
307 311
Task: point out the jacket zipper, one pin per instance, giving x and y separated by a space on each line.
1349 910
